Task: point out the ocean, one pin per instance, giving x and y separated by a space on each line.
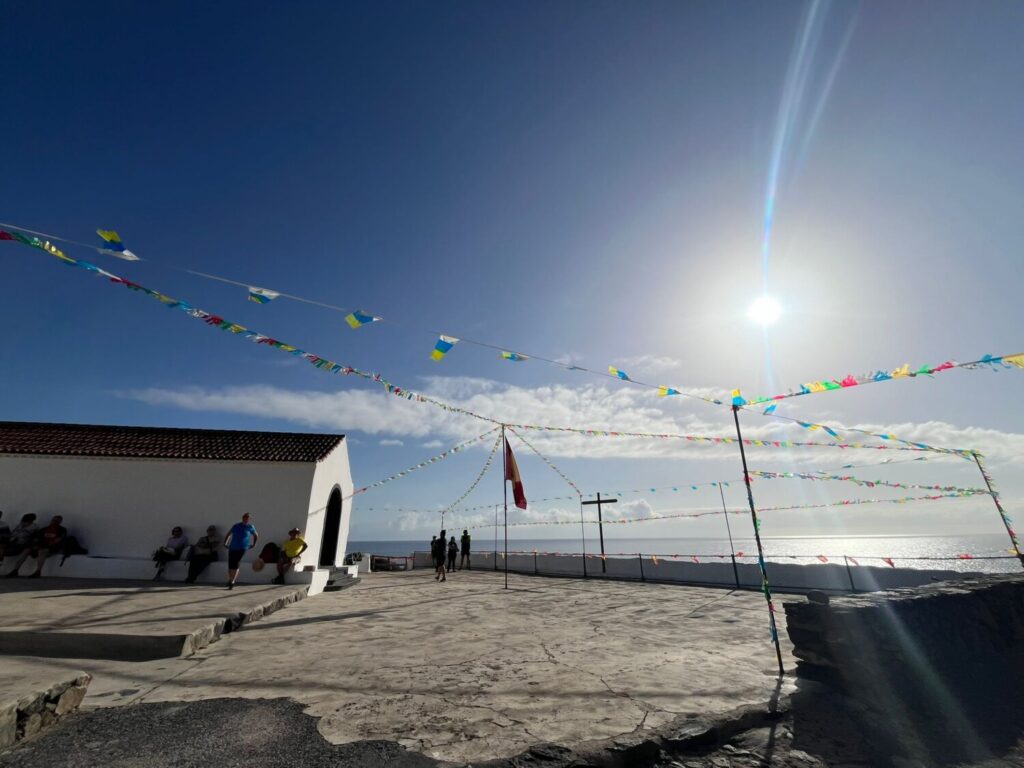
985 553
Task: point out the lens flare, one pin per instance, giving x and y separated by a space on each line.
764 311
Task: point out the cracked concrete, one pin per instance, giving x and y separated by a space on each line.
467 671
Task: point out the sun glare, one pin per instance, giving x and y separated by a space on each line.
764 311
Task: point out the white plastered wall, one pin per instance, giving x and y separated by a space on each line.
126 507
333 471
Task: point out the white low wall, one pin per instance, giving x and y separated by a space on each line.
781 576
138 569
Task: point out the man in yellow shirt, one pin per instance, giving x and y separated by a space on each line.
291 553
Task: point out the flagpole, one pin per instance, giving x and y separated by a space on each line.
999 507
757 537
504 490
732 548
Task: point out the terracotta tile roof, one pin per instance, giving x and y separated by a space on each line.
37 438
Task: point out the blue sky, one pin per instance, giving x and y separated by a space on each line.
582 181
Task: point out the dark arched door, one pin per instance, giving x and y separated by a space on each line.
332 522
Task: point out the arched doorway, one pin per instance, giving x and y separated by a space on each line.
332 523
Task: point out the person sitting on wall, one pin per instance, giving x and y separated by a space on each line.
291 553
5 536
170 551
203 552
41 545
22 539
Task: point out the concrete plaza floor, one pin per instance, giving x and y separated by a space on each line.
466 670
127 620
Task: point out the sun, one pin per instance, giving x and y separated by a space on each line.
764 311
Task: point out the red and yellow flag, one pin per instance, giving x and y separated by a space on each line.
512 473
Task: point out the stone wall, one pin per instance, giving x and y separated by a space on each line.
932 674
783 577
32 712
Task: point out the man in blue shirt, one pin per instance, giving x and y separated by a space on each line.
241 538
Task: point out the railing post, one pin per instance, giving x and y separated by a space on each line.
641 556
535 571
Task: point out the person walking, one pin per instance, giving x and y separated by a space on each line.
241 538
464 560
453 552
437 552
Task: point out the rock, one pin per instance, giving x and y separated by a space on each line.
37 704
33 725
817 596
70 700
8 725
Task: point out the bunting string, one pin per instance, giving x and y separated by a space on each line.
550 463
858 481
338 368
783 508
432 460
992 362
681 487
356 318
731 440
476 482
112 245
216 321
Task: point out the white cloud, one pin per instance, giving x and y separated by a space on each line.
391 442
650 365
432 444
611 406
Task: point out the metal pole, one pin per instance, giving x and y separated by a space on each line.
849 573
600 530
504 490
583 537
999 507
640 555
494 555
535 562
732 549
757 537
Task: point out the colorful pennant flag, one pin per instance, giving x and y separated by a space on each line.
667 391
889 561
737 398
112 244
770 409
616 372
512 474
6 235
262 295
822 558
513 356
359 318
443 346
